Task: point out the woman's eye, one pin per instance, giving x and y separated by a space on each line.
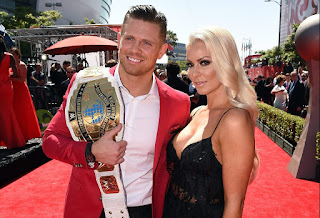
189 64
205 63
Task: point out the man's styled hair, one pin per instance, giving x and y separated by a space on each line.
149 14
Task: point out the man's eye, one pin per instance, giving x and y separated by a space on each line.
147 43
205 63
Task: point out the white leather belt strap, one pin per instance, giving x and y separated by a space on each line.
113 203
94 105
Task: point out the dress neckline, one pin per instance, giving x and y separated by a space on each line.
198 142
189 146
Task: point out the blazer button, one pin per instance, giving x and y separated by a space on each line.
100 198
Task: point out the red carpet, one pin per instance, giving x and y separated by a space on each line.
39 194
275 193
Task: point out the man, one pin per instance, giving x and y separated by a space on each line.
296 95
304 78
53 70
173 69
79 66
287 82
153 112
37 77
37 89
259 87
58 77
64 85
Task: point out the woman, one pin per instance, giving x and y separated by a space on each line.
10 133
22 101
213 159
280 92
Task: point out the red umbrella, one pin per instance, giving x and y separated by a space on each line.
81 44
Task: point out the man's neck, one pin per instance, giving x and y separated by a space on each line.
136 85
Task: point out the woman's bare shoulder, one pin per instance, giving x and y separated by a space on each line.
236 119
22 63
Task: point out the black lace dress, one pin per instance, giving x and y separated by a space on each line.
196 187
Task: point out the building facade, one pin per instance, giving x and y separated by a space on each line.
9 5
72 11
179 52
294 12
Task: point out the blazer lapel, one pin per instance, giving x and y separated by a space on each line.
162 130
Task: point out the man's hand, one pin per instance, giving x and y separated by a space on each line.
107 151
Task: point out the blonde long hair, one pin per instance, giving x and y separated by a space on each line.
229 71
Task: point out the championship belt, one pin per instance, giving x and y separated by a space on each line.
94 106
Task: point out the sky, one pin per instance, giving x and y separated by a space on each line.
244 19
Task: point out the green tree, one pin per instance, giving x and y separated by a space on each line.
289 52
20 19
182 64
172 38
3 18
47 18
270 55
92 21
25 17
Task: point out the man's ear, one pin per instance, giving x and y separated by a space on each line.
163 50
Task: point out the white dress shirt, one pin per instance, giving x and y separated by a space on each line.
140 131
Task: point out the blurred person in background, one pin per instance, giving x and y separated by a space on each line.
37 77
296 95
280 92
79 67
22 101
287 81
268 86
162 75
259 87
64 85
10 133
173 70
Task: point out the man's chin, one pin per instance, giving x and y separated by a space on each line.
133 70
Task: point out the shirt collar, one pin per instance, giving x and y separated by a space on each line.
152 91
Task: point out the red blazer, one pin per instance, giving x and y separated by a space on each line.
83 194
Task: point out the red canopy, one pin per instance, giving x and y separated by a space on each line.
81 44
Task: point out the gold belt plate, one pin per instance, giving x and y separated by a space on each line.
94 109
